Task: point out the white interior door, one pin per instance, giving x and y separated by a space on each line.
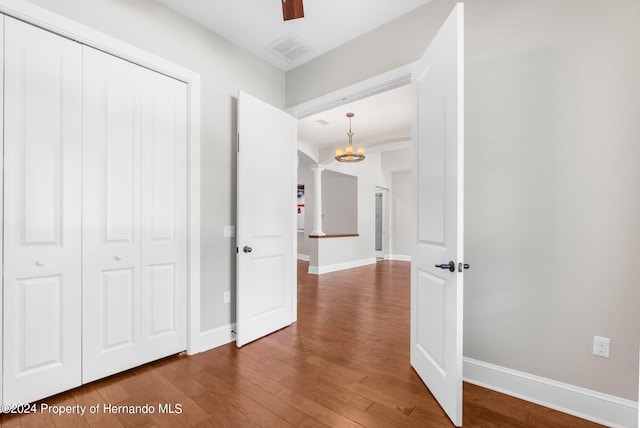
438 143
163 242
134 215
111 213
266 222
42 213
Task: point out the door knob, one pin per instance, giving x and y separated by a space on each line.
39 263
451 266
118 257
247 249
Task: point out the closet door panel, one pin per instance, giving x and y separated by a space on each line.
164 215
2 194
42 213
135 207
117 310
111 215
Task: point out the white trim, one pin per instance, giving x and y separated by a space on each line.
315 270
219 336
38 16
395 78
584 403
399 257
304 257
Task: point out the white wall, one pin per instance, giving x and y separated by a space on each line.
401 242
397 160
552 178
224 70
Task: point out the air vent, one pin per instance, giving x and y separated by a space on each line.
322 122
289 47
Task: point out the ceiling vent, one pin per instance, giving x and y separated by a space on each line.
322 122
289 47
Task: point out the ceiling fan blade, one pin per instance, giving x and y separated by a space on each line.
292 9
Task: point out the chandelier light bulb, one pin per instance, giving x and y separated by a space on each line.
348 155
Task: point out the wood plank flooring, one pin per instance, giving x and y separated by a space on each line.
345 363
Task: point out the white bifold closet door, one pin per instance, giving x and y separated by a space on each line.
134 215
42 213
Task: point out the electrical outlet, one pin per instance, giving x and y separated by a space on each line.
227 296
601 346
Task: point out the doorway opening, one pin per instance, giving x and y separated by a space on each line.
384 128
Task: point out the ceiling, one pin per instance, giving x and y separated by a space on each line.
254 25
257 25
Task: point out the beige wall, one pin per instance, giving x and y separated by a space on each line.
224 69
552 180
339 203
553 189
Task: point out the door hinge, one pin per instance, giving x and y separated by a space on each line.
238 143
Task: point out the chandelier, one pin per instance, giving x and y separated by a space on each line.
349 155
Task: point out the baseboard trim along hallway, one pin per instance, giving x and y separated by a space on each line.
584 403
215 337
317 270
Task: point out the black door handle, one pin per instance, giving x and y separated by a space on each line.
247 249
463 266
451 266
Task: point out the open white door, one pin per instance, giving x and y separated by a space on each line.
438 142
266 223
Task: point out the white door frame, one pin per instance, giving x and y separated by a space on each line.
395 78
43 18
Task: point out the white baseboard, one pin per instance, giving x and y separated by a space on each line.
584 403
217 337
303 257
317 270
399 257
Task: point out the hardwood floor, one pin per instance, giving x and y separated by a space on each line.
345 363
